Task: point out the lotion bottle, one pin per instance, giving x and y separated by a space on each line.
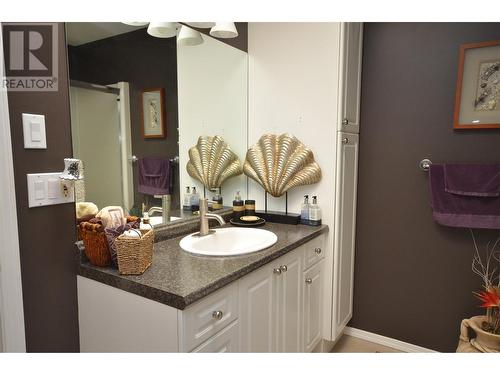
186 203
304 211
195 200
315 212
238 207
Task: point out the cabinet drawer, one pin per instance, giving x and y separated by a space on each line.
313 251
226 341
208 316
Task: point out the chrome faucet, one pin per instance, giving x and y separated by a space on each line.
205 215
166 201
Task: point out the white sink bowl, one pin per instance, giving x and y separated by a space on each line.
229 242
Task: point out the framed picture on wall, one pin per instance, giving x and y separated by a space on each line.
153 113
477 99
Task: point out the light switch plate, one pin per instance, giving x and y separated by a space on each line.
45 189
34 131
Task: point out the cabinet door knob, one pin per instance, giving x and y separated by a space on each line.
309 281
317 250
217 315
277 271
345 141
345 122
284 268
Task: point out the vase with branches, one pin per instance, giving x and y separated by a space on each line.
487 267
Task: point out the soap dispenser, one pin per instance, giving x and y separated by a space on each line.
304 211
217 198
238 207
195 200
314 212
186 203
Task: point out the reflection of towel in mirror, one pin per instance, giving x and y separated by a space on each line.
154 176
477 180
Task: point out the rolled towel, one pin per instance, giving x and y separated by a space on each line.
85 208
112 216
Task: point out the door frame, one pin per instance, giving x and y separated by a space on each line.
12 334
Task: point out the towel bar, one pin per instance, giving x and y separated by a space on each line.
134 159
425 164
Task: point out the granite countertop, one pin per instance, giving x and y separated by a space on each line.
178 279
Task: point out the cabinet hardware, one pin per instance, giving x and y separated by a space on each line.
345 122
345 141
317 250
277 271
284 268
217 315
309 281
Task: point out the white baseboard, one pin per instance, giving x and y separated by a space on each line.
386 341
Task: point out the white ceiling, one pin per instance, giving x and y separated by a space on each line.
78 33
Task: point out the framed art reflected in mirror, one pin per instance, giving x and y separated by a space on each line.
477 100
153 113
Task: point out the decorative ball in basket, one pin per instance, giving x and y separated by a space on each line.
135 254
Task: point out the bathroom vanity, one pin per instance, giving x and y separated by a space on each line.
268 301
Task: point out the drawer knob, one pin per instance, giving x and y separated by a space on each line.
277 271
309 281
217 315
345 122
317 250
345 141
284 268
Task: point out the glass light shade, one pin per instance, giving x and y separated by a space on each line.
201 25
189 37
71 170
135 23
163 29
224 30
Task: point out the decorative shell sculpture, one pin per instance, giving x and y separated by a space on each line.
212 162
280 162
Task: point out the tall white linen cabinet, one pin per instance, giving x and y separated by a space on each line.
304 79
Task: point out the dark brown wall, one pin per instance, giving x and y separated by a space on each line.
413 278
145 62
46 234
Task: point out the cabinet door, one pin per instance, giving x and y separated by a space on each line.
289 309
312 286
257 310
345 229
351 47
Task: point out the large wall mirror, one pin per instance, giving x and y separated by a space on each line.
136 98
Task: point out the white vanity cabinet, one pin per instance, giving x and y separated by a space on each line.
351 35
276 308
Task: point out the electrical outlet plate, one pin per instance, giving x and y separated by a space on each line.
45 189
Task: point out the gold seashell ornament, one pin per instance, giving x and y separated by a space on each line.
280 162
212 162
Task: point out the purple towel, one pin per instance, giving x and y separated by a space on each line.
465 211
472 179
154 176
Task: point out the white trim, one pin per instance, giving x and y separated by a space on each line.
126 146
386 341
11 294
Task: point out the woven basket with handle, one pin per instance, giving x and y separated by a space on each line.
135 255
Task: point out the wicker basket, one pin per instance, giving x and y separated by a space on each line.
135 255
96 247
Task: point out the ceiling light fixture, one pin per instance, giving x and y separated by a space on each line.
189 37
201 25
163 29
224 30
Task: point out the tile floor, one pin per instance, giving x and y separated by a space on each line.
350 344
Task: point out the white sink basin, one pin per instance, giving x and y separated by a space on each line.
229 241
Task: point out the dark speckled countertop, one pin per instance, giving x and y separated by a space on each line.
178 279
